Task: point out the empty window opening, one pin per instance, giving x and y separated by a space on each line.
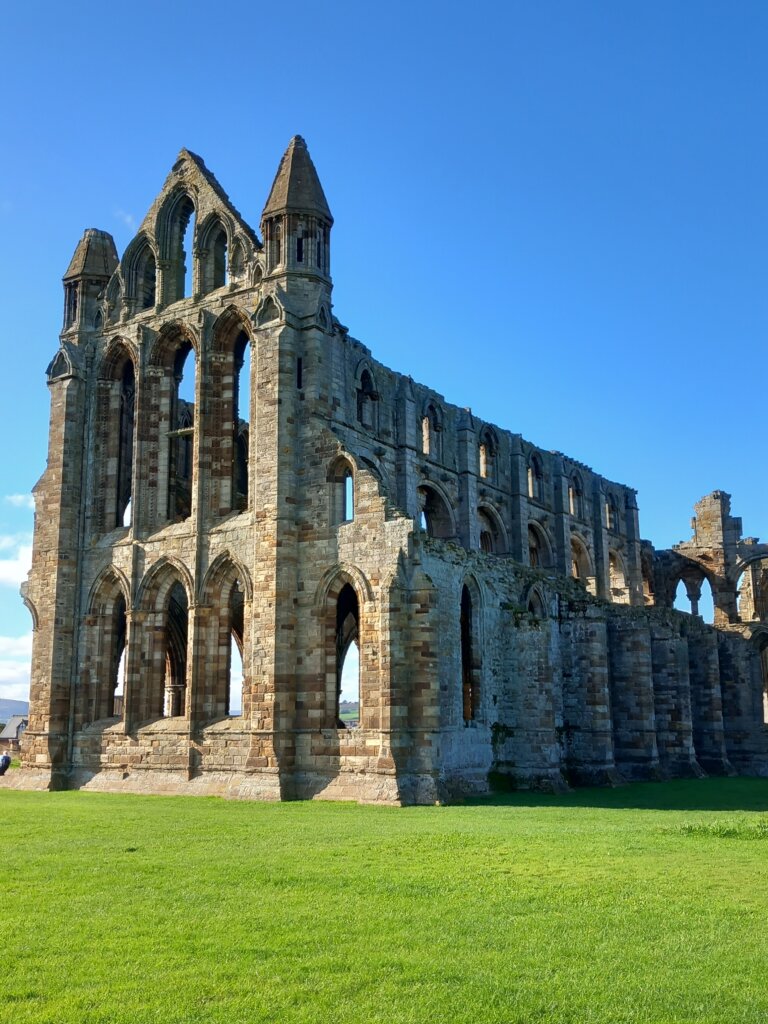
235 702
347 658
236 263
181 249
300 248
128 513
706 602
434 515
241 420
752 593
490 538
539 555
349 497
182 434
299 373
611 513
71 304
147 280
218 259
430 433
366 397
98 320
648 586
468 682
535 475
349 694
235 673
175 673
580 563
486 455
119 691
118 631
693 594
187 256
575 498
125 445
536 605
274 240
617 579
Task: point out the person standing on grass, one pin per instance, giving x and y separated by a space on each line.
5 763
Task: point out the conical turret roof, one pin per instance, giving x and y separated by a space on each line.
296 185
95 256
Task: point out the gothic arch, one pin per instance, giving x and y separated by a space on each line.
496 543
215 246
540 552
435 510
224 565
113 357
431 429
228 324
333 580
60 365
30 606
158 580
173 334
582 567
138 248
268 311
536 600
111 581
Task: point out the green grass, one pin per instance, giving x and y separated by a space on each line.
645 903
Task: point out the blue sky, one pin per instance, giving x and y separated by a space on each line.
553 212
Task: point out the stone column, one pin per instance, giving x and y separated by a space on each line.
706 703
587 729
468 528
672 699
634 724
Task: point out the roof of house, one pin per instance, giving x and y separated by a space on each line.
13 727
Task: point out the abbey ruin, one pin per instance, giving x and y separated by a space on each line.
231 473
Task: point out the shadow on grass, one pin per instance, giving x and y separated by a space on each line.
739 794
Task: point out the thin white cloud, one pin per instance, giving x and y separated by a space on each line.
127 218
14 570
20 500
15 653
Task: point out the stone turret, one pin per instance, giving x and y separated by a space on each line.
92 264
296 221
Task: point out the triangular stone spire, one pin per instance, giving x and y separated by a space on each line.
296 186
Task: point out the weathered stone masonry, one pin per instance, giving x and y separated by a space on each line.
302 498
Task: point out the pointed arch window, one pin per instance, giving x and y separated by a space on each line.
486 456
342 484
535 477
367 397
347 657
431 432
241 421
469 669
576 497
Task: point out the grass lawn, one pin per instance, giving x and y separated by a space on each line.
645 903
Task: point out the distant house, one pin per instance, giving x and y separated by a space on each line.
11 734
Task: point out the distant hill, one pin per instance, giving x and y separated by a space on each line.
12 707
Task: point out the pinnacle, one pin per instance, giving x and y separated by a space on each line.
297 185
